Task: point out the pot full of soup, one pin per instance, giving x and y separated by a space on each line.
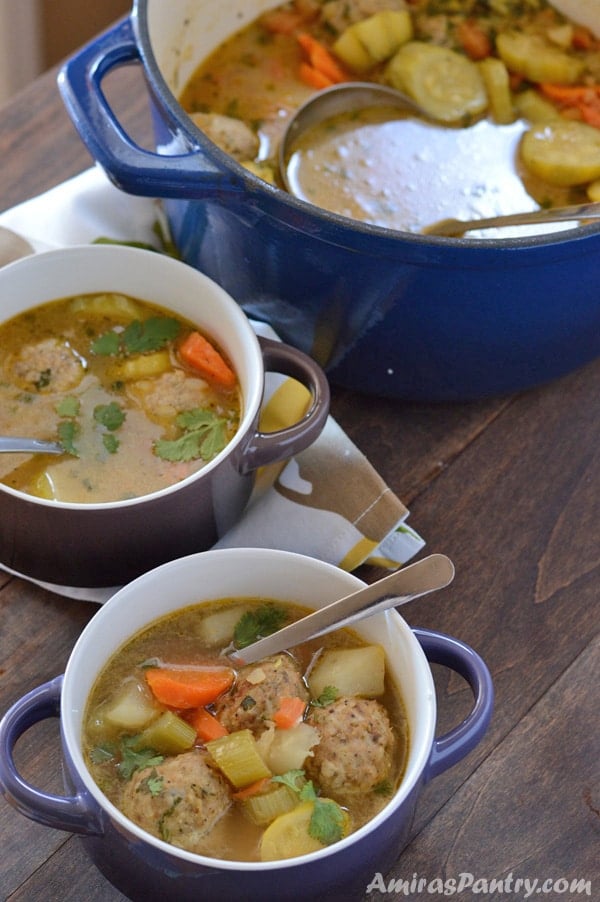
190 777
344 271
150 378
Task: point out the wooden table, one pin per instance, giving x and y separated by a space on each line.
509 489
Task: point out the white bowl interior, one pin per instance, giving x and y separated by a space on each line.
249 572
148 276
184 32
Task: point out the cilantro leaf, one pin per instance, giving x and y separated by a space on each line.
138 337
107 345
110 442
111 416
328 822
204 436
68 407
68 430
153 783
289 779
253 625
133 759
149 335
327 696
102 753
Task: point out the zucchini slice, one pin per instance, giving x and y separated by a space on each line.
563 153
446 85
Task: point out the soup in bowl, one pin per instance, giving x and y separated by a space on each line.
151 378
182 819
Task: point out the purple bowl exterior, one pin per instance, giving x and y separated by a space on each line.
110 546
411 316
146 873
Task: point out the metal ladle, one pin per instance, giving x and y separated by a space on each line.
14 444
428 575
345 98
354 96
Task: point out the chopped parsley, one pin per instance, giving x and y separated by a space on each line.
153 783
43 380
133 759
68 407
204 435
327 696
329 821
138 337
111 416
68 430
253 625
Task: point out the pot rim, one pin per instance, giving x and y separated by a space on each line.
140 25
252 394
418 757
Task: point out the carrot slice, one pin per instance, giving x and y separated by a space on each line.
321 59
473 39
188 688
290 712
312 77
202 356
251 790
206 725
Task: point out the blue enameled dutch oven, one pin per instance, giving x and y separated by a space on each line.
146 868
384 312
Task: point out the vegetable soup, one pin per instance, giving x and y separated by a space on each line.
262 762
510 90
138 398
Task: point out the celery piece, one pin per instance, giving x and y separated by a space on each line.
237 756
262 809
169 735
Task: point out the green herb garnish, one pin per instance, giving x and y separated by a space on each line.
68 430
253 625
43 379
111 416
328 822
327 696
138 337
153 783
110 442
204 436
133 759
68 407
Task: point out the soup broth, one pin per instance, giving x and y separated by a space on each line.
137 397
273 760
486 74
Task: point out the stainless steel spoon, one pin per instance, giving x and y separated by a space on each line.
14 444
428 575
344 98
454 228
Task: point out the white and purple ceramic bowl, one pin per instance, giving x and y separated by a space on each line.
110 543
145 868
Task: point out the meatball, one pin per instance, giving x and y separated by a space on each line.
179 800
355 749
164 396
255 695
49 365
231 135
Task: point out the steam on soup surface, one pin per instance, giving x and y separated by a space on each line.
269 761
509 89
137 397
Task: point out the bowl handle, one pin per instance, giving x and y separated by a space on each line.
129 166
72 813
450 748
269 447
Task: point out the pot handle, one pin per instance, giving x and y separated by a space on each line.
269 447
72 813
450 748
129 166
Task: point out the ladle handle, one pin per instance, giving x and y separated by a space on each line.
424 576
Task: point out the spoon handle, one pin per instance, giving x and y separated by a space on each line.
454 228
9 443
431 573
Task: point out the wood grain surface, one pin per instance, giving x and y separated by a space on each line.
509 489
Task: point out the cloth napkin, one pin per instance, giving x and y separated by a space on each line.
328 501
